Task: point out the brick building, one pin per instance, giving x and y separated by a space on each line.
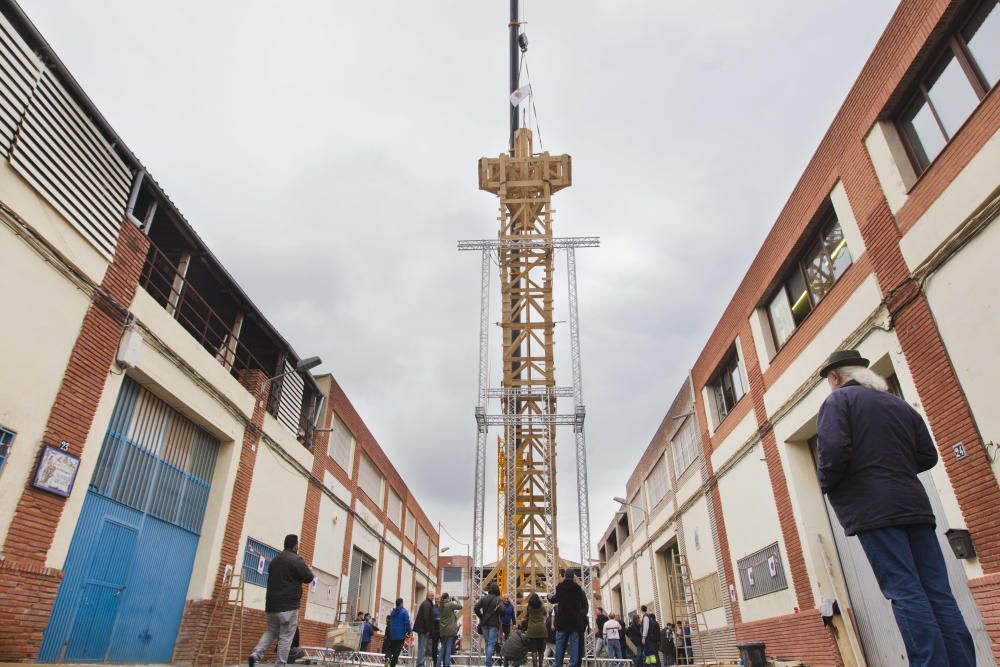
886 244
156 431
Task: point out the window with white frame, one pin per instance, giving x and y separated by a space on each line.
395 508
658 482
370 480
341 445
411 526
960 78
686 445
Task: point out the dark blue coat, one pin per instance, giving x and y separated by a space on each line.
399 623
872 444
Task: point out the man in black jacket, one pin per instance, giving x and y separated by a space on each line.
872 445
571 620
423 625
285 577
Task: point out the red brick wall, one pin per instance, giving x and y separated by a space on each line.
23 575
794 637
986 591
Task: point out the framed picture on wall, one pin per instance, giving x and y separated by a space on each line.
56 471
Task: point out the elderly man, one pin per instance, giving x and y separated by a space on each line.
872 445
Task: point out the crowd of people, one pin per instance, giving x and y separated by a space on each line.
555 626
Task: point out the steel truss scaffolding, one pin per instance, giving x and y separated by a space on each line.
528 394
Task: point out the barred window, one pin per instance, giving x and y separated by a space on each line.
686 446
341 444
395 509
257 559
6 442
370 480
658 482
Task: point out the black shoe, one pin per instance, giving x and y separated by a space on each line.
252 660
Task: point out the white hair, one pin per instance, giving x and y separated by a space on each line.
866 377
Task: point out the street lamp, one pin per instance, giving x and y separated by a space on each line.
306 364
652 557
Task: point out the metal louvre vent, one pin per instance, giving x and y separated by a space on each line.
19 70
291 393
60 152
762 572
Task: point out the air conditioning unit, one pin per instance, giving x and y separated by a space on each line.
130 347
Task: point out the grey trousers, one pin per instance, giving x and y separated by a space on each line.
280 626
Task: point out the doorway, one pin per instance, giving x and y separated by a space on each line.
359 586
129 563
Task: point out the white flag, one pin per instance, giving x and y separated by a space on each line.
520 94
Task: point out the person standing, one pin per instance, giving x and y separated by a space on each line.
601 644
871 446
366 633
571 621
449 609
536 632
644 619
633 637
688 645
423 626
488 609
397 629
286 575
668 646
436 632
506 618
612 637
651 640
550 629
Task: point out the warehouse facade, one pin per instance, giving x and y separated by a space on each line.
157 434
885 245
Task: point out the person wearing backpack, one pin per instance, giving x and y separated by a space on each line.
488 610
651 640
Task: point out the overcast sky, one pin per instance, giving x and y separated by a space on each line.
326 151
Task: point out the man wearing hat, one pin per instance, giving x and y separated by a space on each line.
286 574
872 445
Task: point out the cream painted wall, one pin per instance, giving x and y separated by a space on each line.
390 576
700 552
406 585
330 533
848 223
287 441
274 509
751 524
970 325
970 188
892 166
33 348
760 330
740 434
865 299
50 225
689 483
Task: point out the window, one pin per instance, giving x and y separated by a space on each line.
686 445
809 279
6 443
422 542
727 387
395 509
411 526
708 592
327 590
256 560
637 506
658 482
341 444
451 575
370 480
959 80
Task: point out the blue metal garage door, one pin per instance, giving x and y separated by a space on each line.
130 560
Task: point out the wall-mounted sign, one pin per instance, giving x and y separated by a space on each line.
732 592
750 575
261 564
772 566
313 585
959 451
56 471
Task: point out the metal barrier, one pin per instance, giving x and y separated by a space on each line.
327 656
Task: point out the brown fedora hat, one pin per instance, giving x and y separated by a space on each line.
842 358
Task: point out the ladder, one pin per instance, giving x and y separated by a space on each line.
685 605
228 601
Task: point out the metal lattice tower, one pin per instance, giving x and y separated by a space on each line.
528 394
